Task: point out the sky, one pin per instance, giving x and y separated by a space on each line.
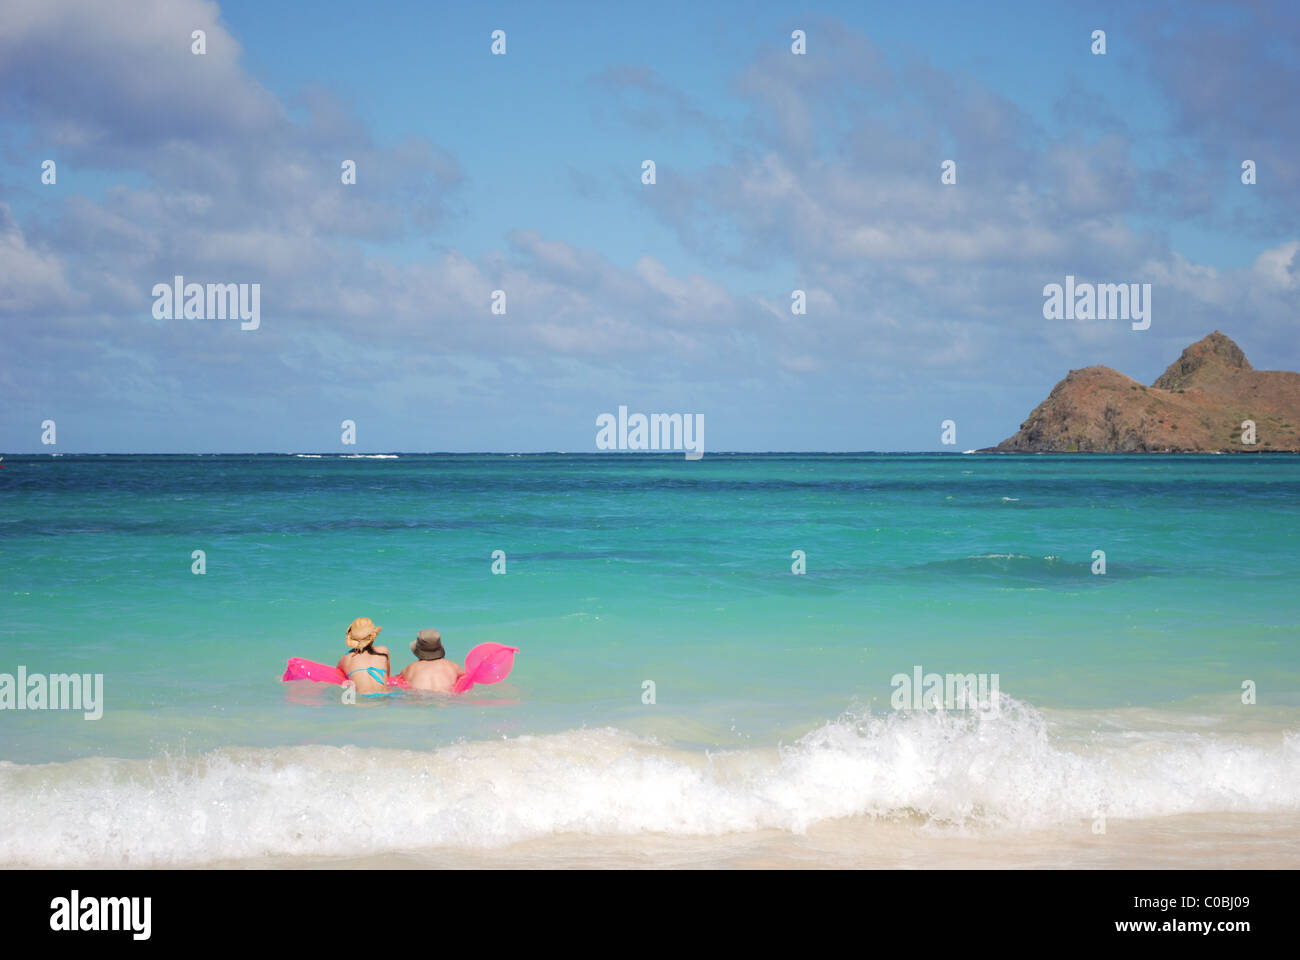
522 172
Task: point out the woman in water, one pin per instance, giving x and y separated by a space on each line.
366 665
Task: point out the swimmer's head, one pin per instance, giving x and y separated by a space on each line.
427 645
362 633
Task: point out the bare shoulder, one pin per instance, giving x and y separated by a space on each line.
382 651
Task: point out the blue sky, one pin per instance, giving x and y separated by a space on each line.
522 172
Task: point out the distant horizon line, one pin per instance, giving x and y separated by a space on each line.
675 454
634 454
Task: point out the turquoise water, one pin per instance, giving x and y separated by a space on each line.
622 569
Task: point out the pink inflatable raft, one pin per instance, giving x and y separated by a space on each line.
486 663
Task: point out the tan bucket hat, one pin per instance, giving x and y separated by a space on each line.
427 645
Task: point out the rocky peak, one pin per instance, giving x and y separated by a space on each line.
1207 359
1200 404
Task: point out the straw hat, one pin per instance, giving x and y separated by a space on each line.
362 633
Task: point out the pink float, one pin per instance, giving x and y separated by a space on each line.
299 669
486 663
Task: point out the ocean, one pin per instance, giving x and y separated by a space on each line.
681 696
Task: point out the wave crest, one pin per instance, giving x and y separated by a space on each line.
997 771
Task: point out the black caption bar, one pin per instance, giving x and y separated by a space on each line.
309 908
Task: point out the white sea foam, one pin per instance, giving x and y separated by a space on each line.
997 772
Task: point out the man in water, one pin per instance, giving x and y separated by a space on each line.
431 671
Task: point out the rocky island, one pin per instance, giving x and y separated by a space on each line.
1200 404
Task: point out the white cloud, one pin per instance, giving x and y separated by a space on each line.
1278 266
31 280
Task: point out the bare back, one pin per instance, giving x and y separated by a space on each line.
364 670
432 676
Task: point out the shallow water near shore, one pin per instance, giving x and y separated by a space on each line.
771 739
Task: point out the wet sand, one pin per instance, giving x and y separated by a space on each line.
1221 841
